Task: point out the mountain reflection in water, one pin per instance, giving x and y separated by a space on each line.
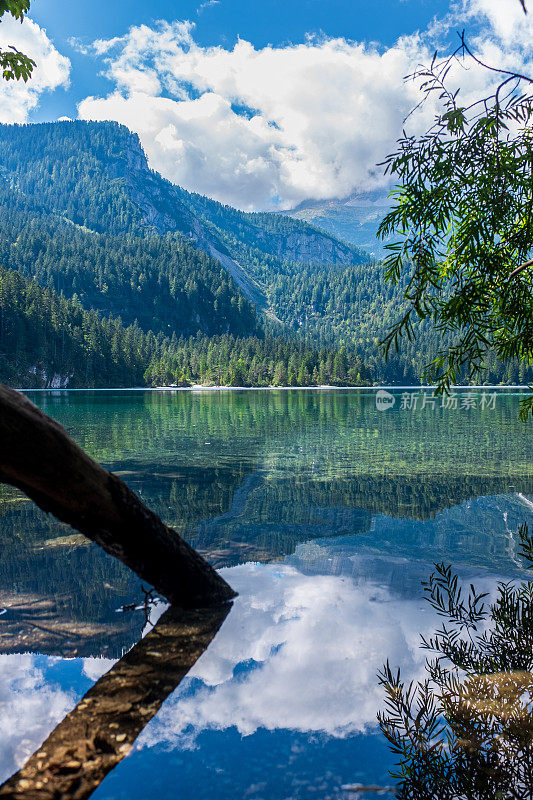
324 514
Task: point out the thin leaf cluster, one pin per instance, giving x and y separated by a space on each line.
463 219
14 64
466 731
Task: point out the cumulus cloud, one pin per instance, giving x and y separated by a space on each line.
258 128
499 34
17 98
301 651
265 128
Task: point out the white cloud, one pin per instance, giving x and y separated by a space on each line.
318 116
207 4
301 651
308 108
503 21
499 33
30 707
317 643
17 98
95 667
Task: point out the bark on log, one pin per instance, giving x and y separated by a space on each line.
100 731
38 457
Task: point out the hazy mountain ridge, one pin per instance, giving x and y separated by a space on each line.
355 219
274 234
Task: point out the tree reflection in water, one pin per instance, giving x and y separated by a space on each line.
467 730
102 728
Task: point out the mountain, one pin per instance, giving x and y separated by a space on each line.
85 217
127 255
96 176
354 219
68 223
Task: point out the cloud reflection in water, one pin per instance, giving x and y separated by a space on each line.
298 652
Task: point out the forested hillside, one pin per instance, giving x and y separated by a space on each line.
254 361
84 216
354 307
162 282
47 340
82 171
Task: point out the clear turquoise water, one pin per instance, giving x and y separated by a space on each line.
324 513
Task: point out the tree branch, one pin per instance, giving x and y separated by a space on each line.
521 268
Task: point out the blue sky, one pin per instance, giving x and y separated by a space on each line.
262 105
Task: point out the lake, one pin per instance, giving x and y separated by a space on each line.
325 513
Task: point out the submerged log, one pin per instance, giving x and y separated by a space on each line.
100 731
38 457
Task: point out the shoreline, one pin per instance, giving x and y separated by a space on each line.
211 388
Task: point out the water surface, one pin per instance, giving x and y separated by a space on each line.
324 513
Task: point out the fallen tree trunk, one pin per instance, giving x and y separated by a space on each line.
38 457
